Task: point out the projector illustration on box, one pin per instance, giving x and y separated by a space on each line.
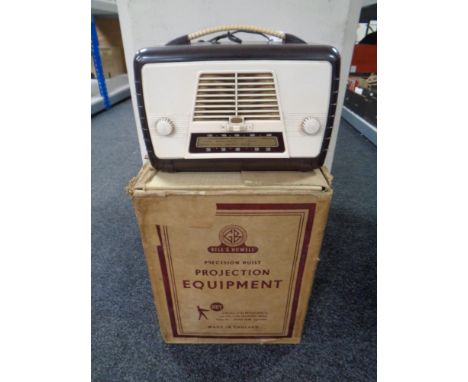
233 106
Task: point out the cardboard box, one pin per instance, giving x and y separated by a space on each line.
112 62
231 256
110 47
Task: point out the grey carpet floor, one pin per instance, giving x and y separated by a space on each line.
339 341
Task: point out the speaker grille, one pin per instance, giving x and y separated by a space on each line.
251 95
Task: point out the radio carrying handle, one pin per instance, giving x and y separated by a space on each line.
285 37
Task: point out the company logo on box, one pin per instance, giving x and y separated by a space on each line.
232 238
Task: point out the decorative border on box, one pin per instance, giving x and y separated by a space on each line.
173 312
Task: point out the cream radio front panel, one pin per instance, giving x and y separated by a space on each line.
229 107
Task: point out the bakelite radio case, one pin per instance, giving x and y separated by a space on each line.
297 153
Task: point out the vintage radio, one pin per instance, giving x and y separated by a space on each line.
212 106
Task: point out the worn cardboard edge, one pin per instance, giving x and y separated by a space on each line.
199 341
137 187
327 175
290 191
138 182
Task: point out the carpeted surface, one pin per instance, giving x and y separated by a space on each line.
339 341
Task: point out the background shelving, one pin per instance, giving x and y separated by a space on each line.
109 82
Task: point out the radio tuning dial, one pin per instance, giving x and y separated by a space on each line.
164 127
311 125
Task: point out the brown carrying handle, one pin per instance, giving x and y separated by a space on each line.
286 37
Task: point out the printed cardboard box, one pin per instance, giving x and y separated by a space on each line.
231 256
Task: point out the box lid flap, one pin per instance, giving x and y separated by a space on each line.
152 181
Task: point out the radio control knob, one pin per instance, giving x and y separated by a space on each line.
164 126
311 125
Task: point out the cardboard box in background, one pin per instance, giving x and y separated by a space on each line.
110 47
231 256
